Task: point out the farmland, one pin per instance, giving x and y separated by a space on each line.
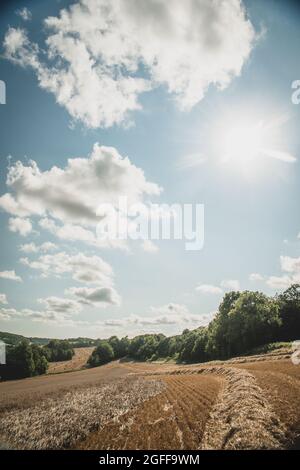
128 405
77 362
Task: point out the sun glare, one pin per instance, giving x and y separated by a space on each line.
243 142
249 144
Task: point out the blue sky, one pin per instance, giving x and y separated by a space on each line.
251 216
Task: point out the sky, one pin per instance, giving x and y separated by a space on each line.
163 104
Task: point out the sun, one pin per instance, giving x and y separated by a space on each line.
243 143
249 143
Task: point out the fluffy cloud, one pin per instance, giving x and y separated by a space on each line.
174 314
33 248
291 273
95 51
10 275
83 268
73 194
170 314
232 284
8 313
98 296
68 199
72 232
19 50
55 310
3 299
24 13
60 305
209 289
21 226
279 282
44 316
171 308
290 265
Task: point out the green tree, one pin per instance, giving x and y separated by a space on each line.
289 305
186 350
145 347
199 351
103 354
39 359
254 320
218 340
58 350
120 346
24 360
20 358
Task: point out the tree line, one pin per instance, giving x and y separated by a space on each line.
26 359
244 321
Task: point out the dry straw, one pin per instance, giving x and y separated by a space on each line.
57 423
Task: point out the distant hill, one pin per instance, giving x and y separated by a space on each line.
12 339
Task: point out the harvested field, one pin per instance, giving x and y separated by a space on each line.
243 417
240 404
77 362
175 419
281 384
281 354
229 405
56 423
22 393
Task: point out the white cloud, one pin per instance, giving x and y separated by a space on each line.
171 308
160 320
10 275
20 50
8 313
33 248
291 273
72 232
60 305
47 246
209 289
21 226
60 318
115 322
279 282
55 310
256 277
83 268
289 264
98 296
3 299
170 314
95 51
73 195
24 13
149 246
232 284
29 248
